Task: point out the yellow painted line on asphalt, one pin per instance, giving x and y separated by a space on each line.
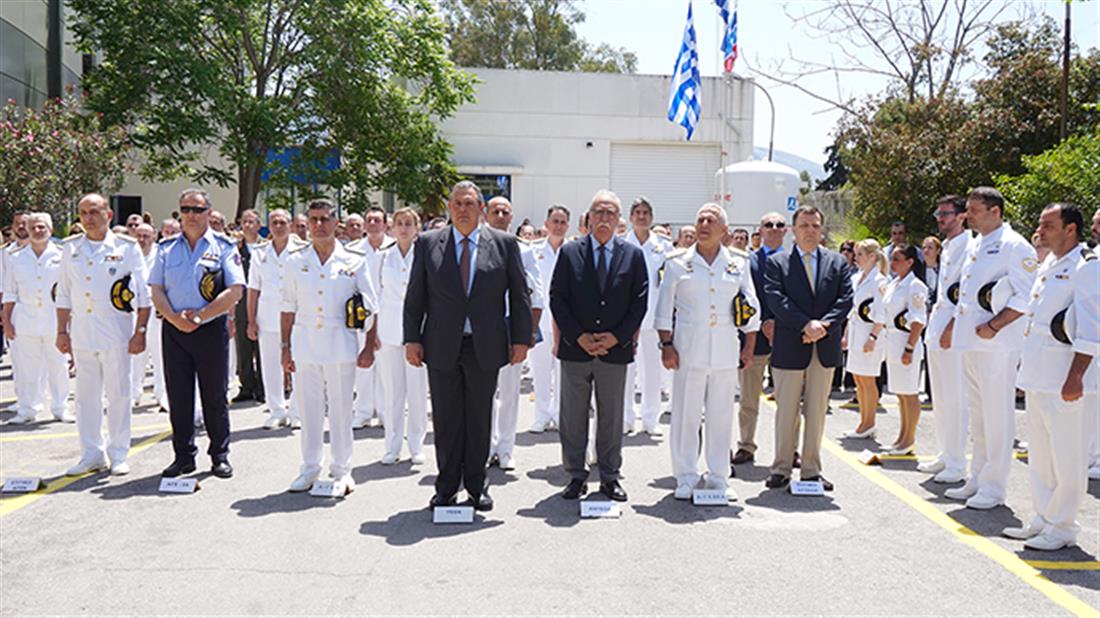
1065 565
13 504
1012 563
71 434
884 457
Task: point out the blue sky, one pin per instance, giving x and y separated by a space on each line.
767 35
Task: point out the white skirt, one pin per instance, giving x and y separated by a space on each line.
860 363
902 379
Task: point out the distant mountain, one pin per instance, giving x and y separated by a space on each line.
817 172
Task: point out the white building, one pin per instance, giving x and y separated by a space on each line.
550 137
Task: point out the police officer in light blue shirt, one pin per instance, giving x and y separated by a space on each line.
196 280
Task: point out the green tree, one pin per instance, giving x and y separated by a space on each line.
367 78
527 34
49 158
1069 172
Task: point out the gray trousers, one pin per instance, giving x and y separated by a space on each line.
577 381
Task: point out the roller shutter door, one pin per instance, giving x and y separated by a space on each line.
676 178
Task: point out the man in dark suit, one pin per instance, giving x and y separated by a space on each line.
598 297
809 293
773 227
454 322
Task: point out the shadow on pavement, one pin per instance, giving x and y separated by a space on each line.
412 527
752 472
782 500
986 523
527 438
144 486
555 511
375 471
282 502
673 511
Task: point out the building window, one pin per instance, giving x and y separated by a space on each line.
492 185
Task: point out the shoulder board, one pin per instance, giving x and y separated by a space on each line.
224 238
72 238
380 249
361 253
262 243
523 241
738 252
1088 254
169 240
126 238
300 249
675 253
14 248
387 245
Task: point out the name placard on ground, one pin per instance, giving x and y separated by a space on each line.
179 486
867 458
21 485
807 488
328 488
599 509
711 497
453 515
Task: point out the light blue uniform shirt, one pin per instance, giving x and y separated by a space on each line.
467 329
178 268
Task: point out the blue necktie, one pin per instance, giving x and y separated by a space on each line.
601 268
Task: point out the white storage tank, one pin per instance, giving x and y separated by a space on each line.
753 188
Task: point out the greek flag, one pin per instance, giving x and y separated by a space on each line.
729 34
683 100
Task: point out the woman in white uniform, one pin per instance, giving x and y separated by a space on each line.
401 382
906 314
865 323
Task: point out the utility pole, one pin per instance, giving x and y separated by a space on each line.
1065 80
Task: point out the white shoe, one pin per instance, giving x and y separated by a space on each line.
949 476
295 422
349 483
683 491
1047 542
628 428
983 503
121 468
22 419
359 422
63 416
961 493
592 460
539 426
653 430
162 404
1094 473
1022 533
274 422
389 459
859 435
85 466
902 450
418 459
304 482
931 467
507 462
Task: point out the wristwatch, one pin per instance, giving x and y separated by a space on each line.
196 319
665 344
142 329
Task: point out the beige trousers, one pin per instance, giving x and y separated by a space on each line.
806 391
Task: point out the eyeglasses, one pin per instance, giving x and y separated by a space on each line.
193 210
943 214
774 225
604 212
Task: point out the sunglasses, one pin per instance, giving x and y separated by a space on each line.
193 210
778 225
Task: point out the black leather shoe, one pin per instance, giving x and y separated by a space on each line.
575 489
259 397
177 468
777 481
438 500
742 457
484 502
222 470
797 461
826 484
242 397
614 491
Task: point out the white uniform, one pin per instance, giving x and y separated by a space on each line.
647 363
905 304
324 349
100 336
867 310
545 368
368 388
506 410
989 366
10 345
945 366
30 284
695 303
402 384
266 274
140 362
1059 431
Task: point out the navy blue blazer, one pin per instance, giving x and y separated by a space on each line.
788 295
579 308
757 260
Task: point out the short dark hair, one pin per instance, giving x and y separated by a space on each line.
374 208
557 207
1070 213
988 196
739 229
807 209
901 223
957 202
910 253
322 204
639 202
